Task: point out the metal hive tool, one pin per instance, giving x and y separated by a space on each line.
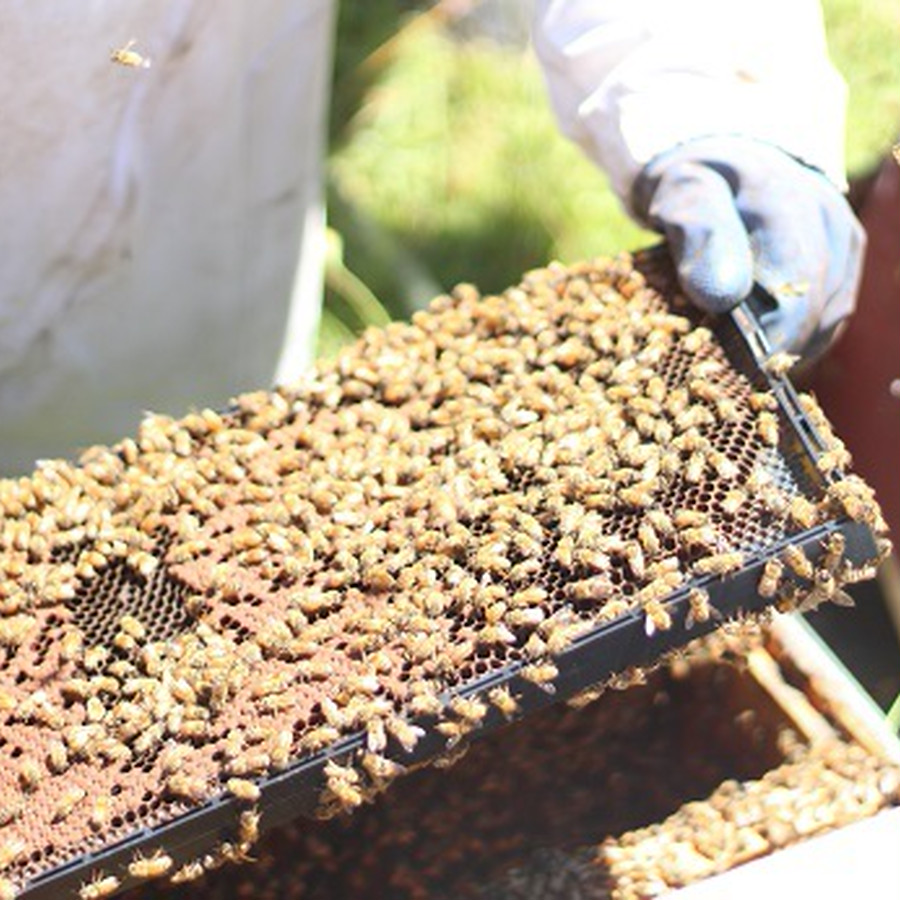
281 607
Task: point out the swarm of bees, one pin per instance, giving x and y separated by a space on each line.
202 604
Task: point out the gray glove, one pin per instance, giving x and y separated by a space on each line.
736 211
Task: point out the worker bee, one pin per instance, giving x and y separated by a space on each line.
244 789
719 563
153 866
190 871
803 512
98 887
797 560
502 698
248 825
100 812
835 459
67 802
834 546
634 557
660 521
648 538
733 501
9 812
704 537
30 774
343 783
699 608
187 787
10 851
696 340
543 674
771 578
657 617
639 495
70 645
780 363
689 518
406 735
767 428
380 769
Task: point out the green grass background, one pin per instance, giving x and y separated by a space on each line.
445 163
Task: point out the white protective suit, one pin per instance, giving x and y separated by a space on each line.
631 78
151 219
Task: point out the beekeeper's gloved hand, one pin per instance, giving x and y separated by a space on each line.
735 211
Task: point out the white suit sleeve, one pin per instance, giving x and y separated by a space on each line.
629 79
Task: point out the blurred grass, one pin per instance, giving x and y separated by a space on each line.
446 164
864 42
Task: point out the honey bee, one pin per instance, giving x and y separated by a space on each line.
834 459
779 364
406 735
10 851
470 709
67 802
543 674
190 871
502 698
834 546
719 563
343 783
98 887
696 340
248 825
704 537
30 774
95 658
186 787
657 618
648 538
803 512
661 522
689 518
153 866
641 494
699 608
797 560
733 501
70 645
767 428
9 812
771 578
634 556
100 812
244 789
454 731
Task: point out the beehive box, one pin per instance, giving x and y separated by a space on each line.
757 749
280 607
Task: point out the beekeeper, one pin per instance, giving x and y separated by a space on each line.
161 218
721 125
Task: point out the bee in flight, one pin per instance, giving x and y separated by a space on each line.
127 56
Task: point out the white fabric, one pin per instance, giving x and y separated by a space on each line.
631 78
151 219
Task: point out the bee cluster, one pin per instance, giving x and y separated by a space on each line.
828 785
224 594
